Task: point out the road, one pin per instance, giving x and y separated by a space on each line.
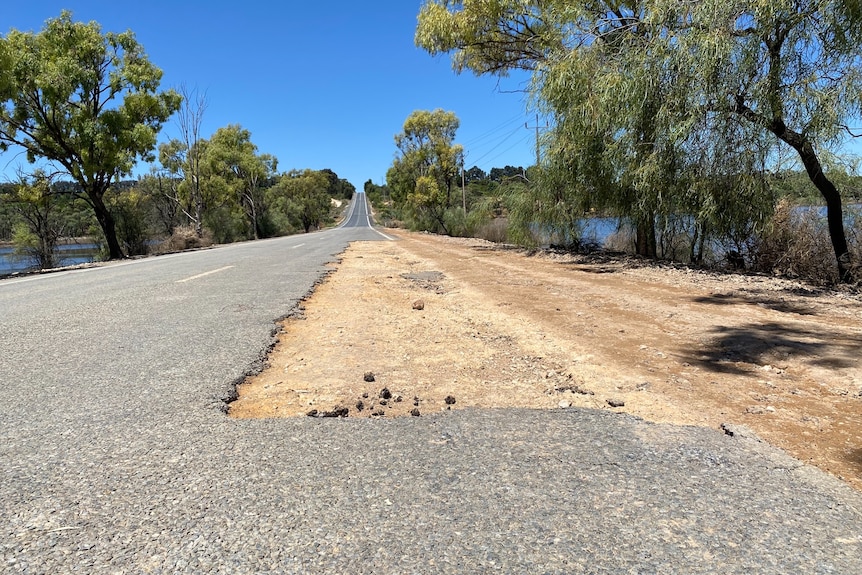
116 455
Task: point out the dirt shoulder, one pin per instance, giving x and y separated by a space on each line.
499 328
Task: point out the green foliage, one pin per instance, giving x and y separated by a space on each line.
38 227
225 224
658 107
422 177
300 200
132 209
234 172
83 99
338 188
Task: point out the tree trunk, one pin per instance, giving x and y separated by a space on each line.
645 242
107 223
834 211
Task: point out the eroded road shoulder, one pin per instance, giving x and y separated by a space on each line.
429 324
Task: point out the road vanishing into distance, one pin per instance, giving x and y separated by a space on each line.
117 457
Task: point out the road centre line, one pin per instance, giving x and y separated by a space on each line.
209 273
297 247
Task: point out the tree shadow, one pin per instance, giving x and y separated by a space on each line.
769 301
772 343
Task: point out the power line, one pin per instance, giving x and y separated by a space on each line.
493 131
500 143
513 146
538 149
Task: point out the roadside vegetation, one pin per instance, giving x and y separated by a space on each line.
694 123
86 116
707 133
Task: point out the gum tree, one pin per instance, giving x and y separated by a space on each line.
233 165
85 100
423 175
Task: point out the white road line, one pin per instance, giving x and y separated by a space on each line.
297 247
209 273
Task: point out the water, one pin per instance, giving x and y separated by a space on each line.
67 255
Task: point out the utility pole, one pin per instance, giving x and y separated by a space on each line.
536 127
463 186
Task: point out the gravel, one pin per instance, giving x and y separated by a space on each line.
116 456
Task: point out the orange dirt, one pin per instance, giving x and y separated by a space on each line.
501 328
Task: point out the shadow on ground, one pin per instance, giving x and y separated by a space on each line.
769 301
773 343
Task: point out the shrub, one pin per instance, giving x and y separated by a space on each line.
185 238
496 230
796 244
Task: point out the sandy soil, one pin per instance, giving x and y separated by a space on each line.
499 327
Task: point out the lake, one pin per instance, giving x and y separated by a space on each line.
67 254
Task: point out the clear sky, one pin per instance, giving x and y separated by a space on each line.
323 84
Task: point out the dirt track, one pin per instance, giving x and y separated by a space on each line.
501 328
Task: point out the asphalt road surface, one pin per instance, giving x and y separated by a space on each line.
117 457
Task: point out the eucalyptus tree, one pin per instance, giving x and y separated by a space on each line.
35 202
643 83
181 159
234 166
85 100
302 198
423 175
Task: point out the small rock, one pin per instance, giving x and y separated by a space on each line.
383 402
449 400
398 399
415 412
365 395
755 410
360 405
418 305
369 376
616 403
385 393
335 412
377 412
565 404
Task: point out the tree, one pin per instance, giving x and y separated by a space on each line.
376 194
423 175
654 78
181 159
301 197
338 187
234 165
789 68
85 100
35 202
161 192
475 174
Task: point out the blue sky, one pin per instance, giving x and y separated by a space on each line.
322 84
